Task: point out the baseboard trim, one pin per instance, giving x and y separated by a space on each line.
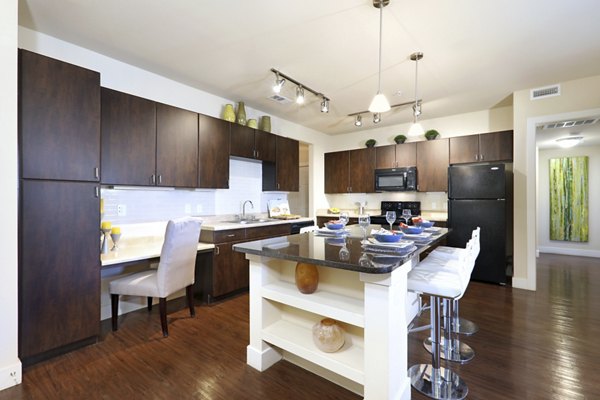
11 375
570 252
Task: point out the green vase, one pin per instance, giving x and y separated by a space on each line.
228 113
265 123
241 114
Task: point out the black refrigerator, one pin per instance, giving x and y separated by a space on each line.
481 195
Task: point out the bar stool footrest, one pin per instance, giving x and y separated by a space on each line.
462 353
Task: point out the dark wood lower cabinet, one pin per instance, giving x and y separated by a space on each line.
228 273
59 267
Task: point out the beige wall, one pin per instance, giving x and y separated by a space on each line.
579 98
10 366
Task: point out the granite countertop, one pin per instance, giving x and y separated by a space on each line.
223 223
431 215
322 250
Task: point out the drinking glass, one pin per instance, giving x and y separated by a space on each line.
364 221
344 218
390 217
406 215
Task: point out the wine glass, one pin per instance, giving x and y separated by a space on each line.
406 215
390 217
364 221
344 218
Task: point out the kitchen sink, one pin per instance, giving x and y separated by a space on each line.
250 221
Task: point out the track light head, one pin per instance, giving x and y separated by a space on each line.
376 118
358 121
299 95
325 105
278 83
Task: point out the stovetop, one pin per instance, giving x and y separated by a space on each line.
398 207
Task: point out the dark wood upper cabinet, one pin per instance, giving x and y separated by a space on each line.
59 266
351 171
265 145
242 141
396 155
252 143
493 146
496 146
176 147
362 170
213 166
337 175
128 139
385 156
432 165
464 149
59 119
288 164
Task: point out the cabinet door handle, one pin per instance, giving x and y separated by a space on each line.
216 250
153 179
159 179
231 235
481 157
96 191
256 155
277 185
96 173
476 157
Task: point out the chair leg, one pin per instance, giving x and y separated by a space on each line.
149 303
114 302
162 303
189 290
433 380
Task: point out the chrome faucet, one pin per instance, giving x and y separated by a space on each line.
244 208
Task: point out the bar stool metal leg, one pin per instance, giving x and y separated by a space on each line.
461 325
433 380
451 348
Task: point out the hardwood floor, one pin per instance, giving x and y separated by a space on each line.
531 345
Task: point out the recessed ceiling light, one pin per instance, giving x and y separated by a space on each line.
569 141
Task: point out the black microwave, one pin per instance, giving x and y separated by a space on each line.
396 179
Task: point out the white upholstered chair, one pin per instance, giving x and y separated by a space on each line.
175 271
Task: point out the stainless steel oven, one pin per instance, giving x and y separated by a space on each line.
396 179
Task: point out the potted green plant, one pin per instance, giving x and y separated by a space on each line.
370 142
400 139
432 134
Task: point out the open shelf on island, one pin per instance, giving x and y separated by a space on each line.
322 302
297 339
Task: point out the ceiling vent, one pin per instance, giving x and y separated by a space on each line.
570 123
543 92
280 99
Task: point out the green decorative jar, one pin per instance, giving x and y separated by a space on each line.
265 123
241 114
228 113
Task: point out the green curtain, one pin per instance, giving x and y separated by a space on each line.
569 199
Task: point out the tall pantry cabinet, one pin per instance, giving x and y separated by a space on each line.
59 213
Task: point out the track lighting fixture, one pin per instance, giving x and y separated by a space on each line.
278 83
299 95
281 78
358 121
358 115
376 118
325 105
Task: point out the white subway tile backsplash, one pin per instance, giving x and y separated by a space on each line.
152 204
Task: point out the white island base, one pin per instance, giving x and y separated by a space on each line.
372 309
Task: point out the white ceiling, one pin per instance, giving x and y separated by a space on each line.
476 53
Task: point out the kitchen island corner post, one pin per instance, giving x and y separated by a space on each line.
259 354
385 334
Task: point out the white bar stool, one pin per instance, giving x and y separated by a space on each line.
433 380
459 325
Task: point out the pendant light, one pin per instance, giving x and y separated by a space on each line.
380 103
416 129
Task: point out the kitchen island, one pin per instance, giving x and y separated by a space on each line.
365 292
